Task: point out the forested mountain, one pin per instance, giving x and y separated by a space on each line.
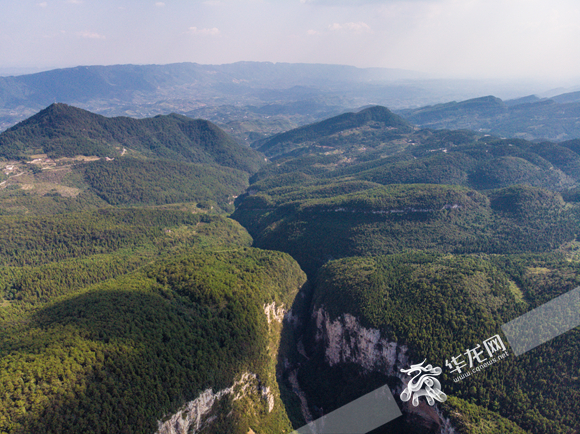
65 158
438 306
64 131
328 221
373 125
404 156
169 317
445 235
112 320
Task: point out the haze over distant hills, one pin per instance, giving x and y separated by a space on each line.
530 117
249 99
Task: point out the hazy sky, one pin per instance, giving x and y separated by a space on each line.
481 38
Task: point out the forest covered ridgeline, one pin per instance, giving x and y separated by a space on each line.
65 131
439 306
67 159
114 318
444 236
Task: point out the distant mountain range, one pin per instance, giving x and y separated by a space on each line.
251 100
85 83
532 118
147 90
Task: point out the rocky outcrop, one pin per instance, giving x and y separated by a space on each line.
345 340
274 313
196 414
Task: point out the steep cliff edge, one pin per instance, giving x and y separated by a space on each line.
251 404
371 317
247 394
344 341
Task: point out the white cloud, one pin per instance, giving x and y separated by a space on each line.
75 2
90 35
207 32
43 4
159 4
312 32
212 2
358 27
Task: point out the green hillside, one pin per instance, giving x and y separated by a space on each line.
66 159
368 127
65 131
477 232
112 320
126 294
325 222
461 157
130 181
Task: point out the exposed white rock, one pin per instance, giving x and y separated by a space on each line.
194 415
274 313
347 341
268 397
191 416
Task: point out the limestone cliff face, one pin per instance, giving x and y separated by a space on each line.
197 414
345 340
251 392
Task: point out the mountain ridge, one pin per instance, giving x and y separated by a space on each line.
61 130
363 204
375 117
530 117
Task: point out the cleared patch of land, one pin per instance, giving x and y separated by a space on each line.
516 291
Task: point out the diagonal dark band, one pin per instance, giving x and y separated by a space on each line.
544 323
357 417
